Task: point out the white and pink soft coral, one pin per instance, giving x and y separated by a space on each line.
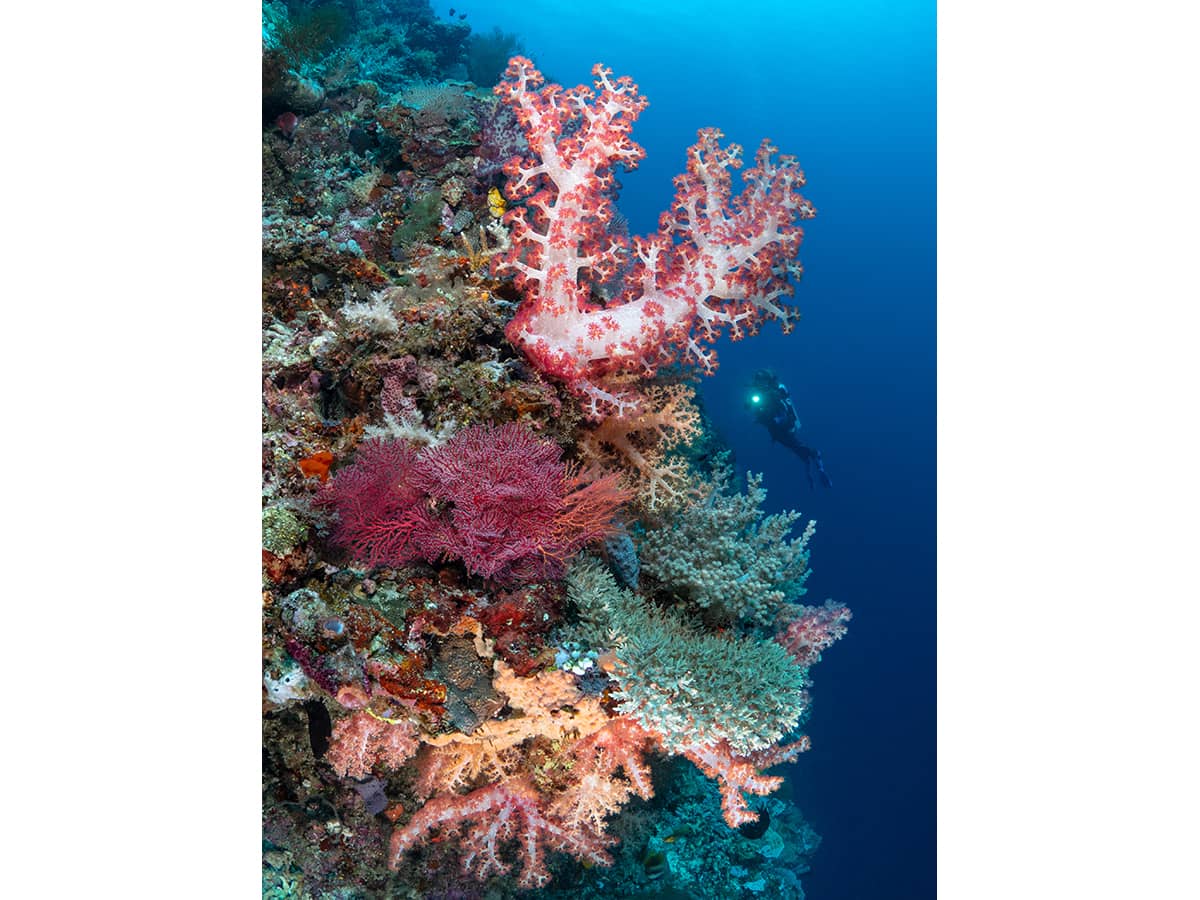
716 260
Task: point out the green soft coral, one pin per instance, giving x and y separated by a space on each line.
724 555
688 686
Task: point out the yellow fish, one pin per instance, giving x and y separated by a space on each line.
496 204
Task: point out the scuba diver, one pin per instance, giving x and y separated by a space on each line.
771 405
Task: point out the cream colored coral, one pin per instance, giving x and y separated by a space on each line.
727 554
458 764
362 186
453 189
539 694
588 802
550 706
636 446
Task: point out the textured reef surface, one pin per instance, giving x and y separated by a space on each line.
524 632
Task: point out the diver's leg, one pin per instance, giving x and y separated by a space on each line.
825 479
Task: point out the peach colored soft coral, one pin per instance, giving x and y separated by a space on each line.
596 791
362 743
457 765
636 446
544 705
536 695
491 815
737 775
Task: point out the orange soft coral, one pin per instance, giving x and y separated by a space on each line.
637 446
547 705
317 465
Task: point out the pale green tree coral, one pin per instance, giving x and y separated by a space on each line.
688 686
724 555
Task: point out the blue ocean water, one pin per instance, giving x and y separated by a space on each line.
848 87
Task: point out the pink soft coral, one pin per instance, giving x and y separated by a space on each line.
362 743
716 262
492 815
813 630
738 775
596 792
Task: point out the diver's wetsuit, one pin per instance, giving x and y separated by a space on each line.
779 416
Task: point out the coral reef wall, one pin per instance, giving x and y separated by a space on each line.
522 629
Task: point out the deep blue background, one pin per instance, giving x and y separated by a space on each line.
849 88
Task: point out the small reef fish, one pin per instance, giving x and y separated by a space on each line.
655 865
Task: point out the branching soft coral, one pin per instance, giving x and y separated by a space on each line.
718 262
637 445
725 704
738 775
813 630
548 707
492 815
458 764
688 686
596 791
362 743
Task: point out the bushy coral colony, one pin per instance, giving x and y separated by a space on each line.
522 629
716 262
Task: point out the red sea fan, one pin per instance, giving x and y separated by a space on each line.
376 500
497 497
503 502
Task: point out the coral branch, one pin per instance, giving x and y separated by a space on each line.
738 775
636 446
362 742
492 815
814 630
716 262
597 791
